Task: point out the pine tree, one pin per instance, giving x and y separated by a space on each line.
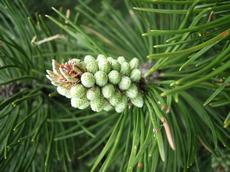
184 53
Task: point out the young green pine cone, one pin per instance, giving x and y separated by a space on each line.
138 101
121 59
115 98
134 63
104 65
221 161
120 107
125 83
132 92
64 92
101 78
103 83
135 75
92 66
93 93
125 68
114 64
79 103
114 77
77 91
101 57
87 79
108 90
107 106
88 59
98 104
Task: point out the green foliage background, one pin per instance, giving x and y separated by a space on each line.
186 44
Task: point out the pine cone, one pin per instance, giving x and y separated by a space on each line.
221 163
103 83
